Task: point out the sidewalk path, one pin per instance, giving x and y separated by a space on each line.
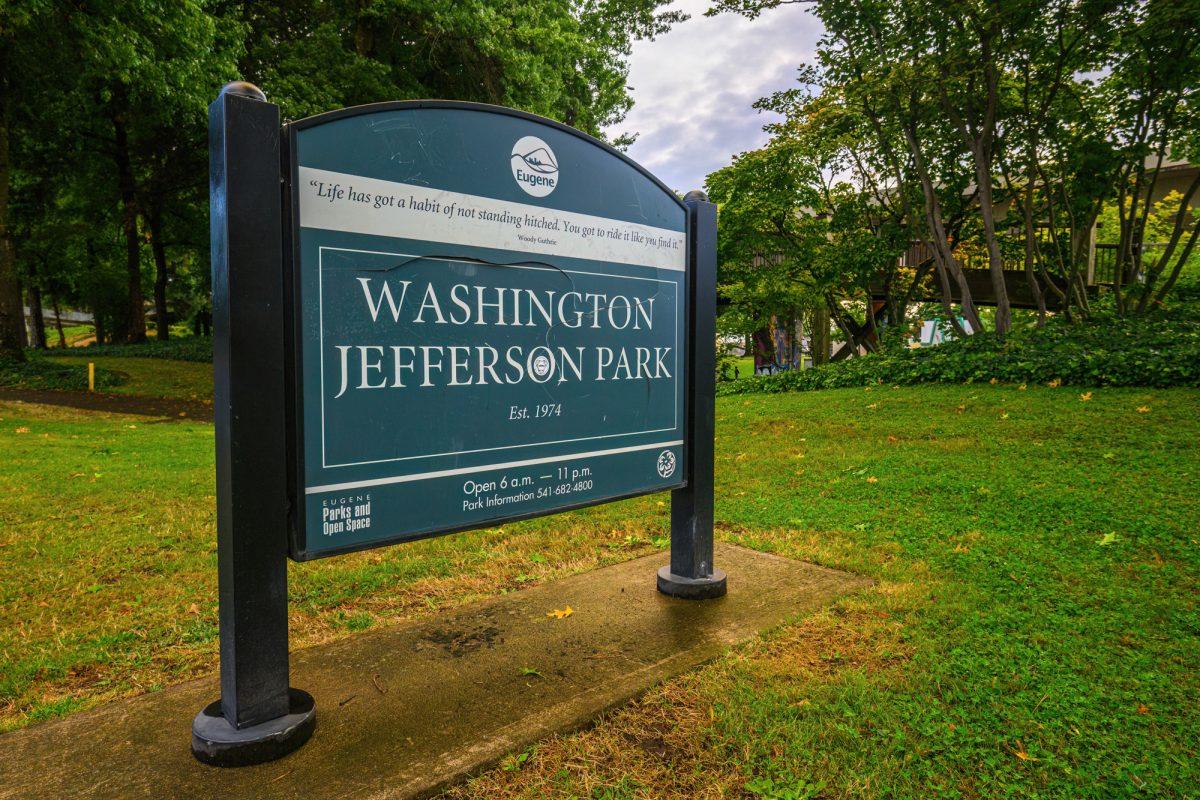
405 711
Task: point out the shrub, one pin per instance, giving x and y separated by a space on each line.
1159 351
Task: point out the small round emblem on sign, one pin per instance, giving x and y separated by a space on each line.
534 166
541 366
666 464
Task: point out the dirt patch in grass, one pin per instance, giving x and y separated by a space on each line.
682 739
166 409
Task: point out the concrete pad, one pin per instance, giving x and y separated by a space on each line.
405 711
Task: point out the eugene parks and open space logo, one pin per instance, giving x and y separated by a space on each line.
534 166
666 464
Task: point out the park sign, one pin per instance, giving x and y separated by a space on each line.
488 323
430 317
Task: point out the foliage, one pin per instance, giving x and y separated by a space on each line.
768 233
106 153
1104 351
1023 119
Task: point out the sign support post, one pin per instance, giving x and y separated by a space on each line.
258 718
691 574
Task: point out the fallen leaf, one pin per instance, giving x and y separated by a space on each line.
1107 539
193 609
1021 388
1143 409
993 381
872 479
22 430
1085 396
1004 415
1143 708
1054 384
559 613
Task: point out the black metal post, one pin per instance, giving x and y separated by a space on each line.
258 718
691 574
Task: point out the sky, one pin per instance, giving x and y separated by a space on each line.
693 88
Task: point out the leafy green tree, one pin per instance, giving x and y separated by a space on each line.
793 241
1152 95
109 167
22 39
1031 116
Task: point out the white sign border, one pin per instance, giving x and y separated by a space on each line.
321 331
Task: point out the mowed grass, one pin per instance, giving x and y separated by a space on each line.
1034 630
150 377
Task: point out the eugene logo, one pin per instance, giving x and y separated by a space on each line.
534 166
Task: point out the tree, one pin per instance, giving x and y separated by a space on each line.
111 165
21 39
1017 122
1153 94
795 242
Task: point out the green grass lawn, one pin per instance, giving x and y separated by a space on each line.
149 377
1034 630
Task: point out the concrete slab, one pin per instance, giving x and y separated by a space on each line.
405 711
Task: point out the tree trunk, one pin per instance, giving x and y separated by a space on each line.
1177 229
820 336
1035 285
939 242
981 145
37 318
995 262
12 314
58 326
162 318
136 329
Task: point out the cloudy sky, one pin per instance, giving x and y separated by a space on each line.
693 88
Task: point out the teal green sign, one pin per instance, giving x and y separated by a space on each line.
489 315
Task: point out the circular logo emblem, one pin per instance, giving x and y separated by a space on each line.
541 366
666 464
534 166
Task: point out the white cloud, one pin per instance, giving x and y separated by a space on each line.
693 87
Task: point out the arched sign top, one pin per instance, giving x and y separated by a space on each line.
488 150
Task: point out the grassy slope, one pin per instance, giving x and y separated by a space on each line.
157 377
1034 630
